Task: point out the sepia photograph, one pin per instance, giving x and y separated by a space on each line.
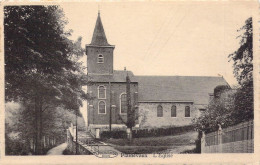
128 79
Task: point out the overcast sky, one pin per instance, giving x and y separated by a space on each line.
165 38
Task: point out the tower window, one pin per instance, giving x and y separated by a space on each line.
187 111
159 111
101 92
100 58
123 103
101 107
173 111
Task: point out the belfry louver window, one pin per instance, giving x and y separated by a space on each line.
100 58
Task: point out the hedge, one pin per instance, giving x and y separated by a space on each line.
152 132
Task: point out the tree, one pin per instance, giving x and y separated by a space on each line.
132 114
243 57
218 112
230 107
41 65
243 71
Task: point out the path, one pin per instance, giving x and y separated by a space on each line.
57 150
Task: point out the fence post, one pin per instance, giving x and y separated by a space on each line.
97 133
219 138
203 142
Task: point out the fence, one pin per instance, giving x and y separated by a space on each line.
234 139
73 146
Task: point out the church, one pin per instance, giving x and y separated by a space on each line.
161 101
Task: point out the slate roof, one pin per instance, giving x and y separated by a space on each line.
177 88
118 76
99 36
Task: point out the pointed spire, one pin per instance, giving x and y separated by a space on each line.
99 36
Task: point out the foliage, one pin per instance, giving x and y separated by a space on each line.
243 57
19 128
219 89
219 111
244 103
230 107
132 112
41 68
243 70
42 61
154 132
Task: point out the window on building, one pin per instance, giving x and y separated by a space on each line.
173 111
101 107
123 103
100 58
101 92
159 111
187 111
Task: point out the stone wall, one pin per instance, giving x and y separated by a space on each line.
148 114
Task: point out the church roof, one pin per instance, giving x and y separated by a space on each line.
118 76
177 88
99 36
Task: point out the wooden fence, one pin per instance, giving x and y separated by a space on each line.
234 139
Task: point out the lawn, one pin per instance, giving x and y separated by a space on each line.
177 143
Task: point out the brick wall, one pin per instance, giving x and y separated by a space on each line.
150 111
117 89
92 60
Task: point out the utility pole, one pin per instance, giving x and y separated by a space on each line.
76 132
77 109
110 107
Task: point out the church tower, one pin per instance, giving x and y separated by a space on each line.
99 52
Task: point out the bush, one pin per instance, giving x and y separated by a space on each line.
113 134
154 132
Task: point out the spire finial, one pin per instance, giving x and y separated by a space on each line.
98 10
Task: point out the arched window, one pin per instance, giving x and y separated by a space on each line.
159 111
101 107
100 58
187 111
101 92
123 103
173 111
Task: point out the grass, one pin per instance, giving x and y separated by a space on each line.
153 144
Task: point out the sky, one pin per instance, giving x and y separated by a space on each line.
165 38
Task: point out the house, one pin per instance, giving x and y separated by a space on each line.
161 100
